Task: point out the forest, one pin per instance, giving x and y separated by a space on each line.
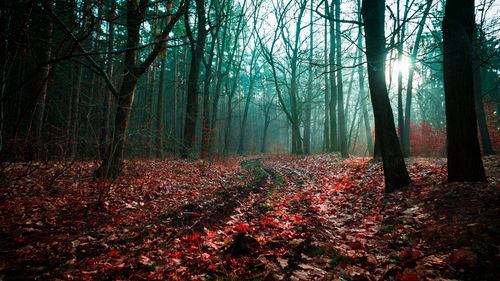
250 140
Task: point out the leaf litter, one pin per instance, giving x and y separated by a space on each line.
278 217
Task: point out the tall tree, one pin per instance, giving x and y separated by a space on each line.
405 132
401 25
478 93
206 133
254 71
308 101
292 48
132 71
43 28
197 49
108 97
362 92
326 129
333 83
293 90
344 149
223 60
464 155
395 173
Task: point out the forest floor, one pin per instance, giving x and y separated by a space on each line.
278 217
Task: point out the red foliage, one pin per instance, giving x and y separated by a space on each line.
312 217
427 141
493 122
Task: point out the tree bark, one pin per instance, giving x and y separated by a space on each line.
344 150
395 173
132 71
44 27
362 91
464 155
405 133
253 73
478 100
401 38
333 87
206 133
307 119
326 130
197 50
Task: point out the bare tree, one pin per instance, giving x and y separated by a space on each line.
132 71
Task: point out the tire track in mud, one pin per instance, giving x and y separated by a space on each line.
288 230
198 216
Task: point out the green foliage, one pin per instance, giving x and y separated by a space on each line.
387 228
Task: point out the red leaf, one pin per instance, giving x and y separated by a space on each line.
113 254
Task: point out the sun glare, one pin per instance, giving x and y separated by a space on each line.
402 65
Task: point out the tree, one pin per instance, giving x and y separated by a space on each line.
333 84
132 71
464 155
292 48
478 94
254 70
344 149
364 96
43 30
405 132
307 119
197 49
395 173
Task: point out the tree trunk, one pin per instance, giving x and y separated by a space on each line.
241 148
344 150
197 50
401 38
45 29
407 129
108 99
395 173
326 130
464 155
362 92
333 87
479 104
159 107
112 163
206 132
307 119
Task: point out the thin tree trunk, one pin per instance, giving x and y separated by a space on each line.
362 91
479 104
401 38
326 130
333 87
206 132
108 99
159 108
307 121
249 96
405 133
344 150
